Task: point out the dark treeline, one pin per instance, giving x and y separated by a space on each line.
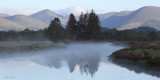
131 35
28 35
86 28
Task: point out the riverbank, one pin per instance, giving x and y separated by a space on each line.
20 46
144 54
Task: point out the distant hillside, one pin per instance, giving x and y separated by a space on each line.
137 18
3 15
115 20
27 22
6 25
123 13
47 15
144 28
146 16
154 23
105 16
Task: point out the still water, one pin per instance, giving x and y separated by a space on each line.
78 61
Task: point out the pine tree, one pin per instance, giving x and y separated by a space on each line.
94 27
88 27
72 27
80 26
55 31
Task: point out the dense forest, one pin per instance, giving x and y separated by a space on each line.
86 28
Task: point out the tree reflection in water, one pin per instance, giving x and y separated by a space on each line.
85 62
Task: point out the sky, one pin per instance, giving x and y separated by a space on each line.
101 6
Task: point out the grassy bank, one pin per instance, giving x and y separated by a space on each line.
139 53
18 46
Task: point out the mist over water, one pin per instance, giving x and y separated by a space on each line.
78 61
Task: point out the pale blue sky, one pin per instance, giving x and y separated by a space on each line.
101 5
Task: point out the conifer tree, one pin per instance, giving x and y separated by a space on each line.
94 27
72 27
55 31
80 23
80 26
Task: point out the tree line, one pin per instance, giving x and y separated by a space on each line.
86 28
131 35
28 35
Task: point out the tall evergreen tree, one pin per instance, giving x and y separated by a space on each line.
80 26
72 27
55 31
94 27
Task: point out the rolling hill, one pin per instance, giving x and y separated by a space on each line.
106 15
46 16
140 17
144 28
145 16
115 20
3 15
27 22
6 25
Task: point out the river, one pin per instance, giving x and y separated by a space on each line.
78 61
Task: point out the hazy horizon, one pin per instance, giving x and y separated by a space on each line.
100 6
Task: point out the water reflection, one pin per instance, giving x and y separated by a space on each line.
73 61
154 71
84 62
87 63
84 57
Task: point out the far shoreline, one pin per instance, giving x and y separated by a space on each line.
23 46
26 46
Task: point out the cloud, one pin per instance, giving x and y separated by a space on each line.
11 11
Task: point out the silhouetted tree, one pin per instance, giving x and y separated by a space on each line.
80 27
72 27
89 27
55 31
94 27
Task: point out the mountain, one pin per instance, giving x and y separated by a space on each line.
46 16
145 16
106 15
6 25
116 20
27 22
153 22
3 15
134 19
75 10
123 13
140 16
144 28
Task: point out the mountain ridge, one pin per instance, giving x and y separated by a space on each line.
27 22
6 25
47 15
134 19
145 16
